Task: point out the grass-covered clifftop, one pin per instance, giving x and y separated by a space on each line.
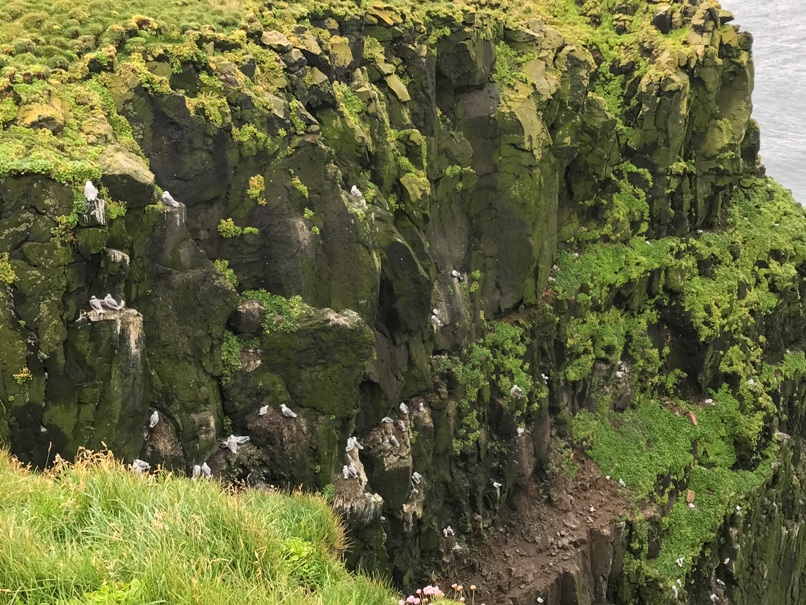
96 532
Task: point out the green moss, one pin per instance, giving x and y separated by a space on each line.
281 313
299 187
115 209
230 356
7 275
257 188
222 266
228 229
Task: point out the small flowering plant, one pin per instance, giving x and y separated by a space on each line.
433 594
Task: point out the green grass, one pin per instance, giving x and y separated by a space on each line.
97 533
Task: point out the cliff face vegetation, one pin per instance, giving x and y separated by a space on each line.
542 227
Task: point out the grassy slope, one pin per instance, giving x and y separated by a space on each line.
97 533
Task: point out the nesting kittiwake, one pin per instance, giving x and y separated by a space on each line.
140 466
709 401
621 483
356 192
726 561
720 582
287 411
111 303
516 391
751 382
233 441
496 485
42 429
540 600
680 561
345 471
96 305
393 440
674 591
414 491
416 478
169 200
353 470
154 420
421 407
714 598
90 192
352 443
455 273
448 531
401 425
196 471
544 377
206 470
263 410
404 409
386 420
521 431
619 374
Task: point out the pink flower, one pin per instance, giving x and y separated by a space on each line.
413 600
461 599
401 602
431 590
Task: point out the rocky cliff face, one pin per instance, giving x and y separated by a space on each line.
542 229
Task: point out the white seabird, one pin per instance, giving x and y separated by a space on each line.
352 443
356 192
345 471
393 440
96 305
455 273
720 582
726 561
140 466
516 392
544 377
680 561
401 425
169 200
674 590
196 471
521 431
421 407
404 409
287 411
448 531
263 410
709 401
233 441
353 470
206 470
154 420
416 478
111 303
90 192
714 598
386 420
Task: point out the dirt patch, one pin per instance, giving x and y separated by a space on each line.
539 538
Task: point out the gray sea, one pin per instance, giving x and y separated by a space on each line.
779 99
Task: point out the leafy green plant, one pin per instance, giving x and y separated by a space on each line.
7 275
281 313
222 266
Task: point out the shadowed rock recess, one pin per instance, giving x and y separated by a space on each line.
562 256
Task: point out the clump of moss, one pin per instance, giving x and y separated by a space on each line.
7 275
222 266
228 229
281 313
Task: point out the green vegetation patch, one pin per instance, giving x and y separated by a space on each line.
281 313
94 531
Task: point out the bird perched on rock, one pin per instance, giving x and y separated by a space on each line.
111 303
96 305
714 598
421 407
206 470
345 471
448 531
264 410
720 582
356 192
393 440
680 561
287 411
154 420
404 409
353 471
521 431
196 471
352 443
169 200
232 442
90 192
416 478
140 466
516 391
455 274
401 425
386 420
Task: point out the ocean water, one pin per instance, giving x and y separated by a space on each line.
779 98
